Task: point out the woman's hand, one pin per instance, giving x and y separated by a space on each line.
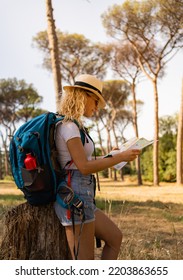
130 155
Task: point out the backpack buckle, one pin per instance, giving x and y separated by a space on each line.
78 203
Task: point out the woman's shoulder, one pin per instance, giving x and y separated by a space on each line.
69 129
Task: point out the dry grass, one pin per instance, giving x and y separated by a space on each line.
130 191
151 218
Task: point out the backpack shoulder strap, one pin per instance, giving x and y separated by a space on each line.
82 133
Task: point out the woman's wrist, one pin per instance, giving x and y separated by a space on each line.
109 155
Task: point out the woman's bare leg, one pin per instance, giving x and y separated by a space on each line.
107 231
86 241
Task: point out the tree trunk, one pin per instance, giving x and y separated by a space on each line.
5 155
156 135
180 144
115 175
121 175
135 125
1 164
33 233
53 45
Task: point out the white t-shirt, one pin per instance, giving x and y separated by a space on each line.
65 132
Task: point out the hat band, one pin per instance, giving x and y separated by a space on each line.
87 85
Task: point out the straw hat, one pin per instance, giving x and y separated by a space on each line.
91 84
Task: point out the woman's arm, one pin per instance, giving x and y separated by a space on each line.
86 166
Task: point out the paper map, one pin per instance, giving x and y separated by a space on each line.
134 143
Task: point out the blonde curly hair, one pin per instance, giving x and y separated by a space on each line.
72 104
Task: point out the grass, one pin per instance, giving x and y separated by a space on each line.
151 218
151 229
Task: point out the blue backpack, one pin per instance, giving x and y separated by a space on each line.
45 183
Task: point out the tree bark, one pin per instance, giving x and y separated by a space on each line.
135 125
53 45
33 233
156 136
180 144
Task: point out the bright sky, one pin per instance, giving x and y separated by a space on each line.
21 20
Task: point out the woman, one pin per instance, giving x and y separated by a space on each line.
84 99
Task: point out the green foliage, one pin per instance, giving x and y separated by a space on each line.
168 166
105 173
147 164
18 101
8 178
128 169
167 161
77 55
168 125
167 152
167 148
10 198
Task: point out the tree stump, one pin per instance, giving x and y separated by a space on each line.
33 233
